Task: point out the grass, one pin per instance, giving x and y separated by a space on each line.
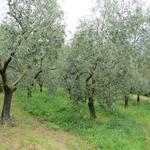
19 136
120 129
32 134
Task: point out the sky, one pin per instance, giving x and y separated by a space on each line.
74 10
3 8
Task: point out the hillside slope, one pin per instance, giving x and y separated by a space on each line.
32 134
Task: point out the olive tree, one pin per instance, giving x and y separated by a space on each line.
33 30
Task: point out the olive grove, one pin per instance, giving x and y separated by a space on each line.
107 57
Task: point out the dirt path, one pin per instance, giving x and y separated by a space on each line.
32 134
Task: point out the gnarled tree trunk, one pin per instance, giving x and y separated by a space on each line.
90 92
91 107
8 92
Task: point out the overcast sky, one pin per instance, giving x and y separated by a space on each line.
73 10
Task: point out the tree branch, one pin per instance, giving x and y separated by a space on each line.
13 15
38 73
8 61
17 81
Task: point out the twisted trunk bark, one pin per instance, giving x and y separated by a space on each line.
8 90
5 115
91 108
90 92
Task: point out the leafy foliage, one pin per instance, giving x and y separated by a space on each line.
107 55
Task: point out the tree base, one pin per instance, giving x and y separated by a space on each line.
11 122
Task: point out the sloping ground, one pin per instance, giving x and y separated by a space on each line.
117 129
32 134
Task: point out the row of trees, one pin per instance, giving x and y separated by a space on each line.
108 56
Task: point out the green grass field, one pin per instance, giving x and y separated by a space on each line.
118 129
29 133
